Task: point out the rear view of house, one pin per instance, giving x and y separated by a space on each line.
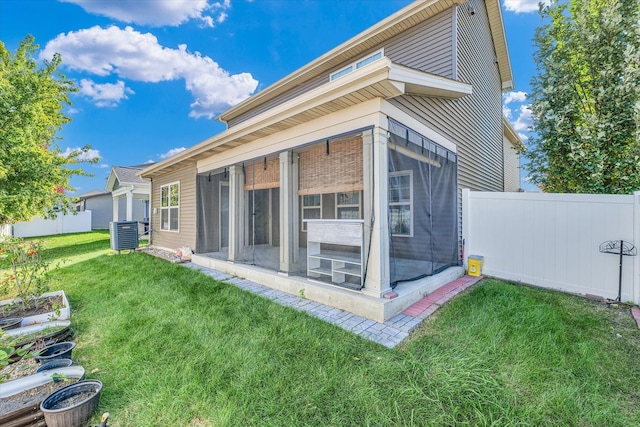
343 178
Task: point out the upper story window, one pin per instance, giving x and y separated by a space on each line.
357 65
170 207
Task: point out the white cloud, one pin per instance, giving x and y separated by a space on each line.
157 13
523 136
172 152
103 166
524 120
513 96
506 111
132 55
522 6
72 110
104 95
85 155
148 162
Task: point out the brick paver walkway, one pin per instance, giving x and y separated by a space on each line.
389 333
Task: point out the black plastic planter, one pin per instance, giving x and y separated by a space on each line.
10 323
54 364
61 350
73 405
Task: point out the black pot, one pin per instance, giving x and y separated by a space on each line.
61 350
10 323
60 410
54 364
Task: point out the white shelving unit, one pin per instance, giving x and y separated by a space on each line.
336 265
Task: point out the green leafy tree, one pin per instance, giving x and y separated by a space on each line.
34 173
586 98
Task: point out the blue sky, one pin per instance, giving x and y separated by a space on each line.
153 74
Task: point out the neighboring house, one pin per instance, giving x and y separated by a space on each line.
100 203
341 182
126 185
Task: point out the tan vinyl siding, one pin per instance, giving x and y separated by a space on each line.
427 46
186 176
298 90
474 122
511 167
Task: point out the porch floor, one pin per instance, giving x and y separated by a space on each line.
389 333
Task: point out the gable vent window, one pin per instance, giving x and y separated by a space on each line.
356 65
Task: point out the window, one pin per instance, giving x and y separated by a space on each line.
311 208
400 203
348 205
170 209
356 65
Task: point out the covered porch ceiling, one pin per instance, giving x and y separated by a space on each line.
381 79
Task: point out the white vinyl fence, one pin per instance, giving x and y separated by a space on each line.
63 224
553 240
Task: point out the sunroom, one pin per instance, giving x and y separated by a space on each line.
337 194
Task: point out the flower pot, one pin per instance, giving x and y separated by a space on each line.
61 350
73 405
54 364
27 413
10 323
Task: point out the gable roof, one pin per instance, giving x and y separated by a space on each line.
411 15
125 175
92 193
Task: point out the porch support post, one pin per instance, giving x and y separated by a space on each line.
236 212
288 210
116 205
130 205
376 236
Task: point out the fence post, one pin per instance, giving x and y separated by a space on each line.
466 221
636 242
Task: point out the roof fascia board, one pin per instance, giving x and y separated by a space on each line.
496 24
421 83
511 134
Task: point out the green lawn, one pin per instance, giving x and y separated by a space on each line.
176 348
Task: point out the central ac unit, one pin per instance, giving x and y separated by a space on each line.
124 235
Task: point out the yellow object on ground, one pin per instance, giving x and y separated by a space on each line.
475 265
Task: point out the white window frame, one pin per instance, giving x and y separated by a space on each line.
359 205
356 65
169 207
409 203
303 224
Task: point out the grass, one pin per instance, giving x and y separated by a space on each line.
174 347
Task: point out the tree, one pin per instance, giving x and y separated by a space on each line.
586 98
34 173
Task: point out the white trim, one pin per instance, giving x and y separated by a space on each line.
410 203
169 207
223 184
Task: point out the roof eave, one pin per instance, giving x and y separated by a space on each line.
384 78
